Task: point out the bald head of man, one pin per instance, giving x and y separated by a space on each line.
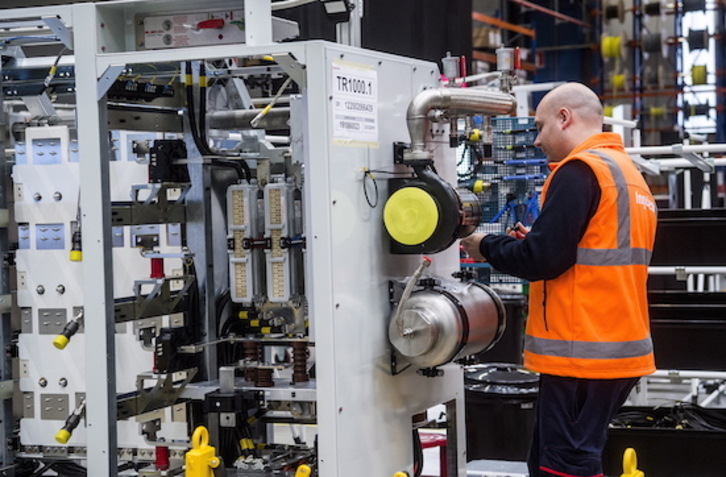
565 117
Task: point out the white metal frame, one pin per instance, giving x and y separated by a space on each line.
364 413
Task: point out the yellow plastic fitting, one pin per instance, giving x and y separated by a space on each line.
201 460
478 186
61 341
401 474
62 436
303 471
76 256
475 135
630 464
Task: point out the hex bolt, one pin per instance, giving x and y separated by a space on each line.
63 382
42 382
37 197
57 196
60 289
40 289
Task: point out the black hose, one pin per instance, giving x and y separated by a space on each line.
418 457
202 146
198 122
203 102
41 470
243 169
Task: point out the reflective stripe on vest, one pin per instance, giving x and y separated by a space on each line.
624 254
588 349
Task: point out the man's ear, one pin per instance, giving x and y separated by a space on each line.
564 117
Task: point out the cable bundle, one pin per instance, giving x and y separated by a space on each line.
681 416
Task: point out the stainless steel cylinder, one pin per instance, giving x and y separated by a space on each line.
446 322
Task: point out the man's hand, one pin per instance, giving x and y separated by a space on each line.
470 245
517 231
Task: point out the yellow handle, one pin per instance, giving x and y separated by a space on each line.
630 464
201 459
200 438
401 474
303 471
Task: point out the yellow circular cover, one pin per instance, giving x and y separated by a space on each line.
411 216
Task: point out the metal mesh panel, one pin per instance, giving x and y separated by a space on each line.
515 174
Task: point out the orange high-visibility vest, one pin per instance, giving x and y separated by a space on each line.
592 321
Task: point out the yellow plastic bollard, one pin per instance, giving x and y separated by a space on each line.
201 460
303 471
630 464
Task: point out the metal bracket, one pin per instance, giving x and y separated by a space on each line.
40 106
652 168
154 207
6 389
160 301
107 79
704 165
162 394
294 68
60 29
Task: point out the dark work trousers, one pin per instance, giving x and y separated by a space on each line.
572 423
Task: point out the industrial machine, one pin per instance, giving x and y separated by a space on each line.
202 279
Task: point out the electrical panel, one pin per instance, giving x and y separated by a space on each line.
202 28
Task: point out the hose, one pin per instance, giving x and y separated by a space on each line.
201 146
243 169
425 262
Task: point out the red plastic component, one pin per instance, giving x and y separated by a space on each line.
161 460
517 59
157 268
215 23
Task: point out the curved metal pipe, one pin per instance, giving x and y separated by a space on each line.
456 102
276 118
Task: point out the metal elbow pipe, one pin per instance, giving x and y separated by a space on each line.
455 102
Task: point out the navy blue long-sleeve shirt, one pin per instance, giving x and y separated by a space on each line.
550 248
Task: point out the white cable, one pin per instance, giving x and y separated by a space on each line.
254 121
282 5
